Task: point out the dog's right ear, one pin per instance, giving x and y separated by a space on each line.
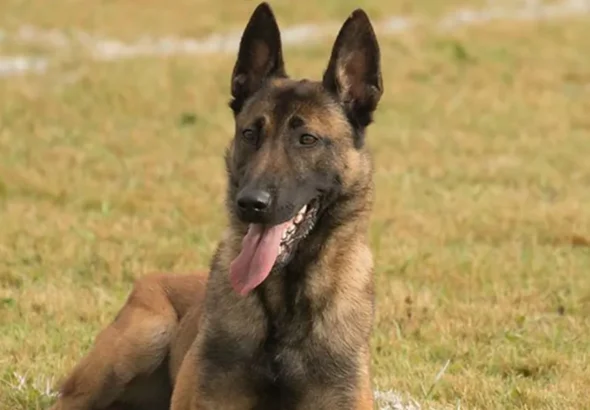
260 56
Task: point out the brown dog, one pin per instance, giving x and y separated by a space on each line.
284 318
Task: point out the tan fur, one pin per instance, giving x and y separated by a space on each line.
127 358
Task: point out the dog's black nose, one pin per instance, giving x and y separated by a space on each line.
253 204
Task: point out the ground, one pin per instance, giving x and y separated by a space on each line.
481 229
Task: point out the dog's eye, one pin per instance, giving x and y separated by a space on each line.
249 136
308 139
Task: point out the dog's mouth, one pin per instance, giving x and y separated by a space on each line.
297 229
265 247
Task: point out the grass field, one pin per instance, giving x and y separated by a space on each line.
481 230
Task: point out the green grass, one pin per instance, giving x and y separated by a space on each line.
481 230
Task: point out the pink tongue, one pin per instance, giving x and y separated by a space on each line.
260 248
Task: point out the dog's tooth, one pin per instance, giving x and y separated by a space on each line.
302 212
298 218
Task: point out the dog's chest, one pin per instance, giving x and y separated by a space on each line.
281 362
283 358
291 362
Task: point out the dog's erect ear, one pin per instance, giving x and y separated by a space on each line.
354 72
260 56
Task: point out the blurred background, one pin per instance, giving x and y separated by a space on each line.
113 123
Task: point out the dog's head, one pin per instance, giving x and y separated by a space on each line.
299 144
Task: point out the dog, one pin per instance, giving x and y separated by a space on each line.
283 318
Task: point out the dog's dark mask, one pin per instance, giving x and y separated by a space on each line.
288 161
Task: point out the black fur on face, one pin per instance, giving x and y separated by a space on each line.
290 156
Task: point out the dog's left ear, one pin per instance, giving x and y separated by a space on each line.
260 56
354 70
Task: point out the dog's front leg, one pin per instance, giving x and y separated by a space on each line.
186 385
187 394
